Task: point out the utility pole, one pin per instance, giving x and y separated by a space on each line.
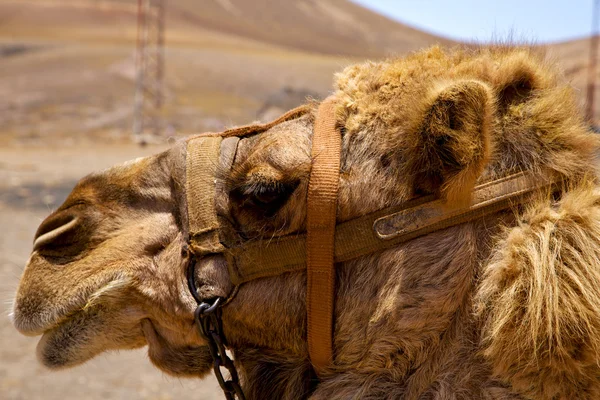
149 89
592 71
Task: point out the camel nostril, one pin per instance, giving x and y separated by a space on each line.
52 229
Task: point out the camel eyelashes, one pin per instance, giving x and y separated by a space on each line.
265 194
272 192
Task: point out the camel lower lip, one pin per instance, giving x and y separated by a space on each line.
57 343
42 352
88 333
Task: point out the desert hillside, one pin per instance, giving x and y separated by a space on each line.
67 65
336 27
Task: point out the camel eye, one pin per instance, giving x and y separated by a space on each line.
267 196
272 192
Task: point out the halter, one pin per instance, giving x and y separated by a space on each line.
325 242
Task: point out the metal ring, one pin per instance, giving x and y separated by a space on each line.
191 281
213 307
199 312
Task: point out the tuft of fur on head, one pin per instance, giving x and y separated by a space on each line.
539 300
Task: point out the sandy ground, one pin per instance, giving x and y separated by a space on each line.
33 182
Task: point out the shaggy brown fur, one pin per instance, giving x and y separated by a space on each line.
549 263
505 307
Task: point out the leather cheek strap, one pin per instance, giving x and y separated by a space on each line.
204 193
320 230
202 159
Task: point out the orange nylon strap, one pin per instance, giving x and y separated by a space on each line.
320 231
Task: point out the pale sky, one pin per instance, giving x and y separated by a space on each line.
533 20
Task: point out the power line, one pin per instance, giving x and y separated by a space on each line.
592 71
149 89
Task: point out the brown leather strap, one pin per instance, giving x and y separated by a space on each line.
202 159
320 230
253 129
384 228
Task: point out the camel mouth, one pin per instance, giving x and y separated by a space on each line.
32 319
86 334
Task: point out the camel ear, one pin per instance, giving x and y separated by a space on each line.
517 78
453 142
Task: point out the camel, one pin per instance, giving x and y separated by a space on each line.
506 306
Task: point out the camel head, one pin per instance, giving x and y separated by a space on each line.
434 314
104 260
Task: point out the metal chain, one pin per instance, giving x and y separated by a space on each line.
208 321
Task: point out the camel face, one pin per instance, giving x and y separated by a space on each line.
101 264
461 312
